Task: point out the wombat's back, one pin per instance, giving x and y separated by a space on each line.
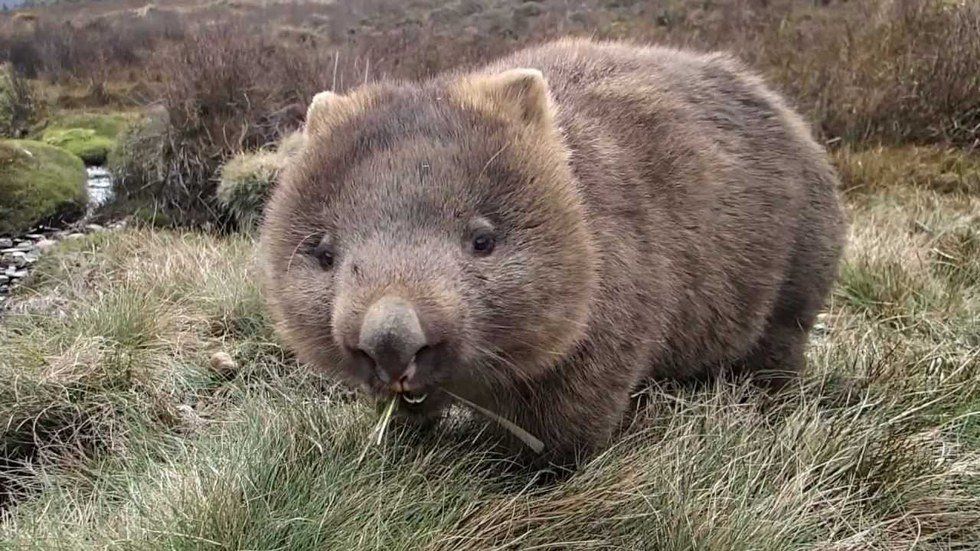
716 212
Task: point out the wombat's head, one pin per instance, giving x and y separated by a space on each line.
431 236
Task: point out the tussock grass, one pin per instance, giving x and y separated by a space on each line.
117 433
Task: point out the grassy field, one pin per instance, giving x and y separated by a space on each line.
118 429
118 432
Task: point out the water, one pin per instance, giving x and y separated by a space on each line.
99 186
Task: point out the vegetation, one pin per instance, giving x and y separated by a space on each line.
235 77
121 433
83 142
247 180
20 106
91 136
38 183
147 402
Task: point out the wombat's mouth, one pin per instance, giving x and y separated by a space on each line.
414 397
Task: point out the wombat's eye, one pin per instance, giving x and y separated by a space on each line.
483 243
324 254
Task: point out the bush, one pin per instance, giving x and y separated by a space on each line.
235 77
20 105
246 183
137 167
226 93
39 183
248 178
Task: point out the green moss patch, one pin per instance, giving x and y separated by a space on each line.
38 183
90 147
91 136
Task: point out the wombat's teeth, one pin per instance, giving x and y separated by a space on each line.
414 399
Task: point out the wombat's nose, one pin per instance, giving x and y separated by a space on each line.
391 335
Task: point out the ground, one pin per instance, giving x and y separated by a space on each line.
119 433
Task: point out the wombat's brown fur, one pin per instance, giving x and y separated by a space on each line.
541 235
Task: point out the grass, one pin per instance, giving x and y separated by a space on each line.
38 182
119 433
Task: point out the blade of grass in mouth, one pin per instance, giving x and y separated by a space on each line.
529 439
378 433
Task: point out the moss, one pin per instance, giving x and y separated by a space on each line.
108 125
91 136
38 183
90 147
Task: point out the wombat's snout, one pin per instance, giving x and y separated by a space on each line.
392 338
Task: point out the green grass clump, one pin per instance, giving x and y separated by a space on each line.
247 180
38 183
118 433
246 183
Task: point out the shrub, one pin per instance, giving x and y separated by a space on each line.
20 104
38 183
225 94
247 180
137 167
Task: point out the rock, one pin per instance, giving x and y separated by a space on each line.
34 236
17 249
19 259
45 245
4 279
6 242
14 273
75 236
188 416
223 365
94 228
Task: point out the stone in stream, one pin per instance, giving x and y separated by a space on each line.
13 273
6 242
19 259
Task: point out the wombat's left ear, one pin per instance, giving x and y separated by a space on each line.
521 93
328 109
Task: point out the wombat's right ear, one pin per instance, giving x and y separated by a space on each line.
328 110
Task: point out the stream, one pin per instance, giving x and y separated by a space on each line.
19 253
99 186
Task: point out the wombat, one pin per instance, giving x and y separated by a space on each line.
543 234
